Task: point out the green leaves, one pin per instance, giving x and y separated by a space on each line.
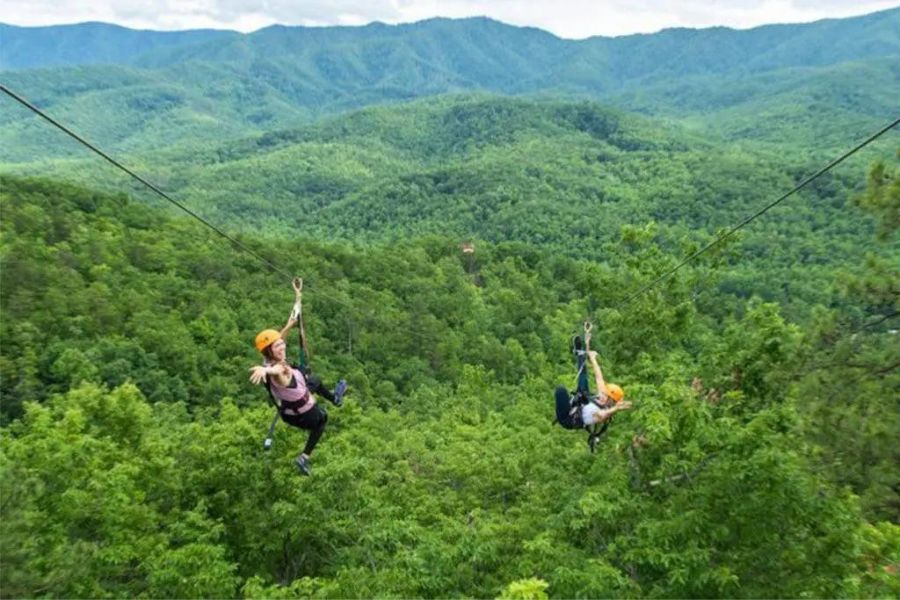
526 589
133 463
882 198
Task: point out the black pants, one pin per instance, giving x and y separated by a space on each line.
314 421
315 385
581 363
562 408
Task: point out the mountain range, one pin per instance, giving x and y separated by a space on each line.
137 90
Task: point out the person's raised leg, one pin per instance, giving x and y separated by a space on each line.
580 359
317 387
562 407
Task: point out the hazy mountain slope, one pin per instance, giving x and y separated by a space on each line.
478 49
812 108
126 109
719 50
89 43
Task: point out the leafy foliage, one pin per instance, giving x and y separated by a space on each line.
852 374
759 459
559 175
134 464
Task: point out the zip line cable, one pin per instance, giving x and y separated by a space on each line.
154 188
760 212
161 193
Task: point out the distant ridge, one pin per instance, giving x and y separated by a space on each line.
89 43
136 90
718 48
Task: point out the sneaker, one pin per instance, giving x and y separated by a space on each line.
339 391
303 465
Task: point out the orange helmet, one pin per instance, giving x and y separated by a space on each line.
266 338
615 392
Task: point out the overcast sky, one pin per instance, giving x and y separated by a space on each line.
565 18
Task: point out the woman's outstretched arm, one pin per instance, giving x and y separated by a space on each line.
297 311
598 374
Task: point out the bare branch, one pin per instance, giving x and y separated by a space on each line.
688 476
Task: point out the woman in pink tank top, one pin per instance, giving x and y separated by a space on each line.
291 386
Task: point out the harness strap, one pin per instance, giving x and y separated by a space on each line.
272 400
292 411
595 435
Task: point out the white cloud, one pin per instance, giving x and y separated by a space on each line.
565 18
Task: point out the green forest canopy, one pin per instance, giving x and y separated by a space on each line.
564 176
760 458
443 475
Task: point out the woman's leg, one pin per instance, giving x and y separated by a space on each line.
313 421
315 385
315 432
562 407
580 359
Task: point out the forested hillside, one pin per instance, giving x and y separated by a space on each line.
127 339
759 458
560 175
197 86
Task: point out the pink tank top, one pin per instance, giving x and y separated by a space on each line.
294 400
